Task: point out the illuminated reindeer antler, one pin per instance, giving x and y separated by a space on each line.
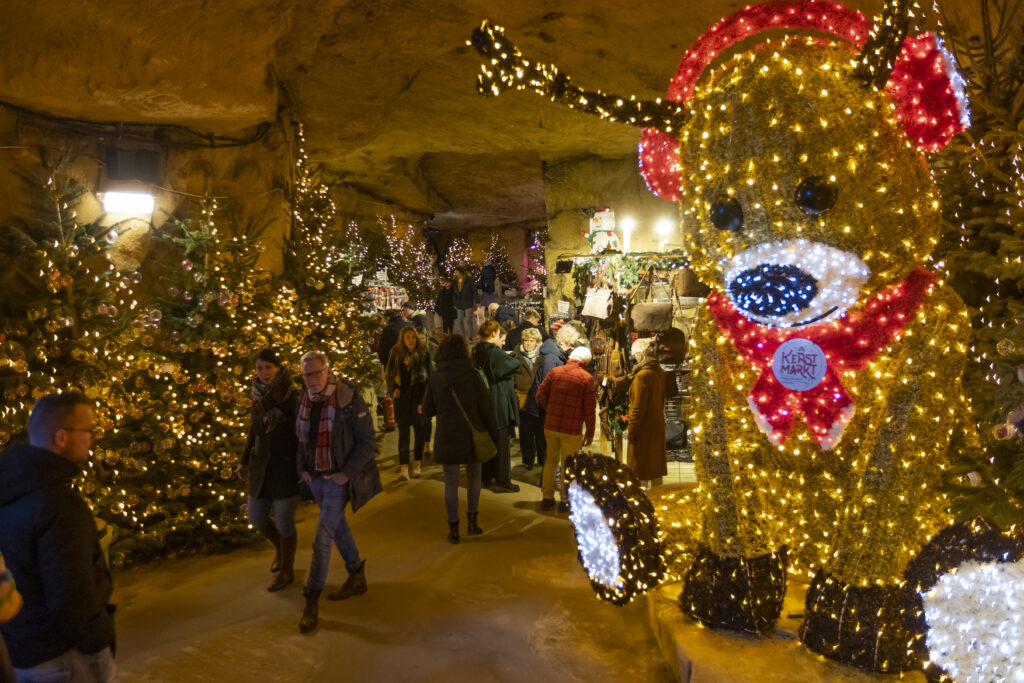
875 62
507 69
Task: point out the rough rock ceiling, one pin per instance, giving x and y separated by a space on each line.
385 87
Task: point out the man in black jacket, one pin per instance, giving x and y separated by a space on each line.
49 542
392 331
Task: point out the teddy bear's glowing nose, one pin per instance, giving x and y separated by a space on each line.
773 290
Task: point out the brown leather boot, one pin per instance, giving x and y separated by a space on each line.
309 620
354 585
270 531
285 577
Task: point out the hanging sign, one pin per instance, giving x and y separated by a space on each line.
799 364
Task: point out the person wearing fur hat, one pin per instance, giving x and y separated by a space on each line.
268 463
647 456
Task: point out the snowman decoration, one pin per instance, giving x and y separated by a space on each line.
602 235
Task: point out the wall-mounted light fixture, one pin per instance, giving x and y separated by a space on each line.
131 203
563 266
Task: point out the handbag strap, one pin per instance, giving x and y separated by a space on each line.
461 409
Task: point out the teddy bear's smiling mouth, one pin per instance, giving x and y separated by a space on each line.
793 283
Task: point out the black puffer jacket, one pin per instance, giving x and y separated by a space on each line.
49 542
270 455
453 443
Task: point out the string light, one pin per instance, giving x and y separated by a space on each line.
814 228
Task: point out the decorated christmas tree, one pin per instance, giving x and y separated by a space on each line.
63 318
318 303
981 176
536 273
459 254
498 256
411 264
164 475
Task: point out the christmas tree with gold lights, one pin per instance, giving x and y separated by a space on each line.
64 314
318 303
981 175
164 475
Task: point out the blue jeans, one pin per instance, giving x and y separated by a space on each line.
331 527
284 514
488 298
451 489
70 667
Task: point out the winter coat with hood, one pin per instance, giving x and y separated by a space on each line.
353 445
453 441
49 541
551 356
500 370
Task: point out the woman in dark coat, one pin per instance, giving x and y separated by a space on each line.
454 376
406 375
445 306
500 369
268 462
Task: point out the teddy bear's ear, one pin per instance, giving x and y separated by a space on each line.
659 163
930 94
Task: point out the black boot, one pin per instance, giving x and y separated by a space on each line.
472 528
355 584
308 623
285 577
453 532
270 531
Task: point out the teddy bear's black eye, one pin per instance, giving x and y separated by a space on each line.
726 213
816 195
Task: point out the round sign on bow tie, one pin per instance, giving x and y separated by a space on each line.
799 364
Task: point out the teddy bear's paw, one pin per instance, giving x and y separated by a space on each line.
968 589
735 593
862 626
615 526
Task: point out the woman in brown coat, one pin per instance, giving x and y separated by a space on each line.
647 455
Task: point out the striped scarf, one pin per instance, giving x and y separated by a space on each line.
328 397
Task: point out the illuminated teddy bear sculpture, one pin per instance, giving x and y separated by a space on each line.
827 361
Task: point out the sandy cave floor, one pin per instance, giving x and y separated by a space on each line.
510 605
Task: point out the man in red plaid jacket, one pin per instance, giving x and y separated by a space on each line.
568 397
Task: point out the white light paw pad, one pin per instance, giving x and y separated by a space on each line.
616 530
975 621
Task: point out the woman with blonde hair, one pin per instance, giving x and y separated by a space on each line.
409 367
531 429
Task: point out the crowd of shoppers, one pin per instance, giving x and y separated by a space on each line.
320 436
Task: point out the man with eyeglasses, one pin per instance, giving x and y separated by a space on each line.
65 628
337 443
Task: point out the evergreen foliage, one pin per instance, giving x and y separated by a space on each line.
981 177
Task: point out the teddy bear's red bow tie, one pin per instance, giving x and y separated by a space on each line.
847 344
